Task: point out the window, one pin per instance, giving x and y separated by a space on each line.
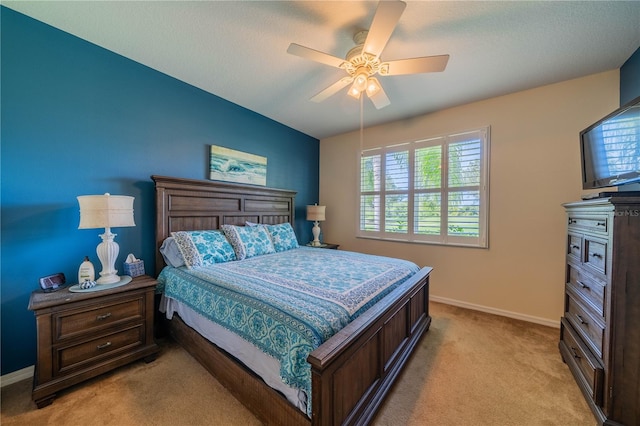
433 190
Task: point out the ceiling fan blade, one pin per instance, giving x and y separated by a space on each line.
332 90
384 22
414 65
314 55
380 99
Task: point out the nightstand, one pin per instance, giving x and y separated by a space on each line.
83 335
326 246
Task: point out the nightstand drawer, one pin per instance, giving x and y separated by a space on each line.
87 352
73 322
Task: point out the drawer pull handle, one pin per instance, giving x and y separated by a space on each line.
583 285
572 221
104 345
103 317
575 353
573 246
601 224
596 255
582 321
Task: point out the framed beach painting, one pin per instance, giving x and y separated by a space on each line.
230 165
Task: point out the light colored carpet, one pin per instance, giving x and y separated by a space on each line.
471 368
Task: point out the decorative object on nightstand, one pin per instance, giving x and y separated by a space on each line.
86 272
107 211
315 213
133 267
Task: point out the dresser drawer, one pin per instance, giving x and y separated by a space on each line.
585 324
599 223
591 290
574 246
98 349
586 368
595 254
74 322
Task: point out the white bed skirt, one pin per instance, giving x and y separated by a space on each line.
257 361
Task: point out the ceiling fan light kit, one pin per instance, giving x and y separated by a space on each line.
363 62
373 86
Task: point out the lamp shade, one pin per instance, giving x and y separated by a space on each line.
315 213
105 211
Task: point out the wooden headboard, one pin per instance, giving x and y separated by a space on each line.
189 205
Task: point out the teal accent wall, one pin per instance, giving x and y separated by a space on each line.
630 78
78 119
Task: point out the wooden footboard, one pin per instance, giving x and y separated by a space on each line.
351 372
354 370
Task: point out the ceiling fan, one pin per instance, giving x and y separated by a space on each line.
362 62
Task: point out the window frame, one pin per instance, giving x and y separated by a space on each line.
444 191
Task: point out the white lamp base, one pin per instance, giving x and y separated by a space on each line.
108 253
316 234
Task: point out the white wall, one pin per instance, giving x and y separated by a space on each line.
534 168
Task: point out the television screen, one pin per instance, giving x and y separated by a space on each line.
610 149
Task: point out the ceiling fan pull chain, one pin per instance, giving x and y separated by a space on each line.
361 126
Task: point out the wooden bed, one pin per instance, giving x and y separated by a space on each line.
351 372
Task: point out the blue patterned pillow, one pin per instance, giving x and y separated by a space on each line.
248 241
283 236
201 248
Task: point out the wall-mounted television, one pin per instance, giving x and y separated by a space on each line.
610 150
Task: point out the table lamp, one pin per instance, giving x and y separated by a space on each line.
315 213
107 211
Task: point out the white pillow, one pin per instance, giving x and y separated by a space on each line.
171 253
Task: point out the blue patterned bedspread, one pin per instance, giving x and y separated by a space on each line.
288 303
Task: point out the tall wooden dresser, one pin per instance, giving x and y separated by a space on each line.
600 329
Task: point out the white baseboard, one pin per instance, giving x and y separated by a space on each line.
17 376
489 310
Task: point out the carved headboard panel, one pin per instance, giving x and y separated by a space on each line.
189 205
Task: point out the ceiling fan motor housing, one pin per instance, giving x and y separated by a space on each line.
357 60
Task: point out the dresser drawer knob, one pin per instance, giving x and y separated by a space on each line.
573 246
596 255
104 345
583 285
582 321
103 317
575 353
601 224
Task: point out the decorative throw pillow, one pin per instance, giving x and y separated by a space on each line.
201 248
248 241
283 236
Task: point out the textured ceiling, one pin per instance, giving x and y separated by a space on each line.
237 49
